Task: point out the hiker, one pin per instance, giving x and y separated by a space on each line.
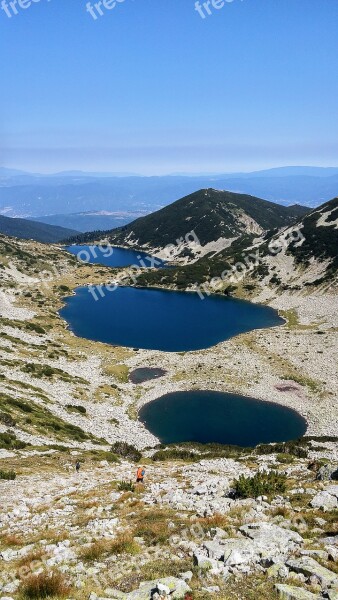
77 466
140 474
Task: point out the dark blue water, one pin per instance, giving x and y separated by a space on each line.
114 257
205 417
161 320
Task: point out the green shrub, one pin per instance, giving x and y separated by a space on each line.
102 455
125 486
296 448
36 328
8 475
261 484
76 408
8 441
127 451
7 420
175 454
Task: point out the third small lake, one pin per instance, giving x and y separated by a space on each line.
206 416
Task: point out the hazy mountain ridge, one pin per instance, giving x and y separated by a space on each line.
34 195
90 221
41 232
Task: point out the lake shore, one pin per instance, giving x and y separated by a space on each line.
292 365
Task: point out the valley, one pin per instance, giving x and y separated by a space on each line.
64 398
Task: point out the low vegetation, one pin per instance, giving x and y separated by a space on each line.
76 408
30 415
8 441
44 585
125 486
126 451
8 475
261 484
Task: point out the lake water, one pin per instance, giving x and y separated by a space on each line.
162 320
110 256
207 416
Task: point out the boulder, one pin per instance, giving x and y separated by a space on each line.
325 500
289 592
324 473
269 537
171 586
214 550
333 490
240 551
311 568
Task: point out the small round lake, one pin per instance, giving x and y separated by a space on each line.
161 320
207 416
110 256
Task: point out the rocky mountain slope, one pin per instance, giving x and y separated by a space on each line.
95 536
217 218
30 230
305 253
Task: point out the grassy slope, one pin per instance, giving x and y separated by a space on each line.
41 232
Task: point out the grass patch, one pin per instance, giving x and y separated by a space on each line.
44 585
153 527
120 372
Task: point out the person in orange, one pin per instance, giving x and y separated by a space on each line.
141 471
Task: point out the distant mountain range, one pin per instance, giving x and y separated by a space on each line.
40 232
34 195
216 217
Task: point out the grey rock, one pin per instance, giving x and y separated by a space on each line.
268 536
324 500
310 567
187 576
333 490
177 588
214 550
289 592
324 473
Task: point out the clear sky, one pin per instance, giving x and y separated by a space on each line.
151 87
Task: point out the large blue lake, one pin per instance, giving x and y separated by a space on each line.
207 416
161 320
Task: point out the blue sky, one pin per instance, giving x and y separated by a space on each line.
151 87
